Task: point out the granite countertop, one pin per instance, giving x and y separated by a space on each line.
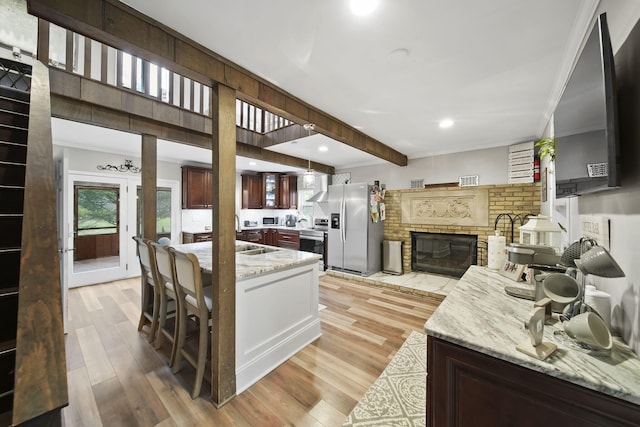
252 265
479 315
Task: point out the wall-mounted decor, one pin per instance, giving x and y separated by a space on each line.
128 166
446 207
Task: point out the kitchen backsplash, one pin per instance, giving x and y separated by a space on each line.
199 219
196 219
258 214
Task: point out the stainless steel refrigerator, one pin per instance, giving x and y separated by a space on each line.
355 239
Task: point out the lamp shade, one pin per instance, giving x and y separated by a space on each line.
599 262
540 230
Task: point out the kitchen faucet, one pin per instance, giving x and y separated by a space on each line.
237 223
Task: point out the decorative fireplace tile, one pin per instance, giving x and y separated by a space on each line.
446 207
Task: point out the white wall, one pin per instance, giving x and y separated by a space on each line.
489 164
88 161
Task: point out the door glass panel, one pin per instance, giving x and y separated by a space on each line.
96 227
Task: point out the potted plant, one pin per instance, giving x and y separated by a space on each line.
547 148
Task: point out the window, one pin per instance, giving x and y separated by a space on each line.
306 208
163 212
97 210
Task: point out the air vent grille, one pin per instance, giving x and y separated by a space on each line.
468 181
417 183
597 170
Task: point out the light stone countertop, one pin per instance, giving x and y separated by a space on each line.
251 265
479 315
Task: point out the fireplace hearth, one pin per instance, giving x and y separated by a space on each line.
443 253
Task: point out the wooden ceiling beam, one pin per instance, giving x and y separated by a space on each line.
97 115
113 23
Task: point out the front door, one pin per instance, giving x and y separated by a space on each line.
99 223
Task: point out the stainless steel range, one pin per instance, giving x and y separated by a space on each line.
315 239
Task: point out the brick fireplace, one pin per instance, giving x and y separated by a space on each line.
507 198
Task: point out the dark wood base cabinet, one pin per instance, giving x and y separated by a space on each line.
467 388
196 237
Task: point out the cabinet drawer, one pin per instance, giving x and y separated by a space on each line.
202 237
288 245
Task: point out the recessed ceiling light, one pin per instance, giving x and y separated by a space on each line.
323 148
446 123
252 163
363 7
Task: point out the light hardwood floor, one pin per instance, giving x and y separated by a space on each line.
116 378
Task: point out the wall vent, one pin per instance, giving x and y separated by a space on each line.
417 183
597 170
468 181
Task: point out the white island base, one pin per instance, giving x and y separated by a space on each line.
276 316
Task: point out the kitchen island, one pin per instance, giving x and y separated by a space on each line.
475 375
276 305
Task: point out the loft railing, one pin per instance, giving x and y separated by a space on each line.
81 55
91 59
257 119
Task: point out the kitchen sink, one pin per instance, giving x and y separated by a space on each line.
253 250
258 251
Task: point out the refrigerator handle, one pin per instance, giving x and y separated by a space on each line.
343 217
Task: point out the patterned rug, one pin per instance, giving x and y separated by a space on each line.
398 397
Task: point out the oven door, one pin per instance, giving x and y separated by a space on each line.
312 244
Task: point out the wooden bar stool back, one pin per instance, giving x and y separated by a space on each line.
195 303
169 301
150 301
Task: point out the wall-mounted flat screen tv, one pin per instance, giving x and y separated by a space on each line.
585 121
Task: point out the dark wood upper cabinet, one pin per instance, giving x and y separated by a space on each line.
196 187
288 192
251 192
270 190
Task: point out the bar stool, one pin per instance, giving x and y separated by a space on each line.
169 301
150 301
195 302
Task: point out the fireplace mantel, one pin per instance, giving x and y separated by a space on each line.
447 207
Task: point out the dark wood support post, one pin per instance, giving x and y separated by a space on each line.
43 41
223 160
40 368
149 184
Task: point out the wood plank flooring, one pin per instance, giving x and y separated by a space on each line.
116 378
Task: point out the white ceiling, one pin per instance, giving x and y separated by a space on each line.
496 67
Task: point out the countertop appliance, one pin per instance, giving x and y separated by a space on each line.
269 220
355 240
290 220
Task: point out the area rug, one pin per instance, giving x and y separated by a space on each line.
398 397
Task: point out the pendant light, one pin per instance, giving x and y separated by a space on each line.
309 178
